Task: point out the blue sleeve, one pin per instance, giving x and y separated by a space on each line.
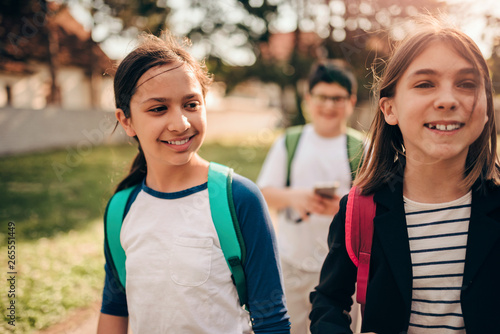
266 299
114 300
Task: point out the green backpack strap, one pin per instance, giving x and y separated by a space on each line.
292 136
112 228
355 150
226 223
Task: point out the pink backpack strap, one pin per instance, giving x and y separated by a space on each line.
360 212
351 245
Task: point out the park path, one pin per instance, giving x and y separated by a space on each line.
80 321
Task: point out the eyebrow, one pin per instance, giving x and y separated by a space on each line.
430 71
163 100
154 99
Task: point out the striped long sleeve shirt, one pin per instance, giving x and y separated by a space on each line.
438 241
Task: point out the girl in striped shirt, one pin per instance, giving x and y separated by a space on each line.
433 169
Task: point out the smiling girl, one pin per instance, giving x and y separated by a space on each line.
433 169
178 280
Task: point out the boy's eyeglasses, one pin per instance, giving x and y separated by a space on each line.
338 101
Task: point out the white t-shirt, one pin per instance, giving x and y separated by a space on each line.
316 160
187 286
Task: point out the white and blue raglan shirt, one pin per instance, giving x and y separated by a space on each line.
178 280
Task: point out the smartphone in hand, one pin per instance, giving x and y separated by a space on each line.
326 190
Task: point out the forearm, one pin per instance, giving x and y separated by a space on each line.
110 324
281 198
277 198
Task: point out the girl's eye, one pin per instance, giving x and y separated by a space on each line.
424 85
193 105
468 85
159 109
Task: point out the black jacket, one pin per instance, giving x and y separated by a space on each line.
388 300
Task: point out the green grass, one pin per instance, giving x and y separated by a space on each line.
57 200
55 276
49 193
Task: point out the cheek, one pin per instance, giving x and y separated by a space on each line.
485 118
481 112
198 120
312 108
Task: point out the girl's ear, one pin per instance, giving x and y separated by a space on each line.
388 109
125 122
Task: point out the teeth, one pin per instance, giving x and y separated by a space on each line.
443 127
177 142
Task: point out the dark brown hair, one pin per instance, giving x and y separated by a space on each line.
385 160
151 52
333 71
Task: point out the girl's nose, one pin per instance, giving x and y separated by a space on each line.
446 100
178 122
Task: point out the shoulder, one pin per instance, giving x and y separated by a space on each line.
251 209
124 198
244 189
247 197
487 196
355 134
280 141
294 130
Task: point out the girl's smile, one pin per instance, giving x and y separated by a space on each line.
444 126
179 144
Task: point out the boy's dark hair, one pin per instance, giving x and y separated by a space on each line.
333 71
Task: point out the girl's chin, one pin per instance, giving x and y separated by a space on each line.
437 155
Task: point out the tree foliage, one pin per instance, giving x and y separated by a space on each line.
116 17
239 38
25 34
243 39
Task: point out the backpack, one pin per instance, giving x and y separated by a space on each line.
223 215
354 148
360 211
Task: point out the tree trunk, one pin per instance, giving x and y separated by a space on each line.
52 40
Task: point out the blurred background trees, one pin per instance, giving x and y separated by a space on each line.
25 20
273 41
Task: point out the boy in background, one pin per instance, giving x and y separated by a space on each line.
322 154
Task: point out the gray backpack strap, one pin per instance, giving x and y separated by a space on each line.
292 136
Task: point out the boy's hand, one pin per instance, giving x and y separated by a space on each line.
302 201
325 206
